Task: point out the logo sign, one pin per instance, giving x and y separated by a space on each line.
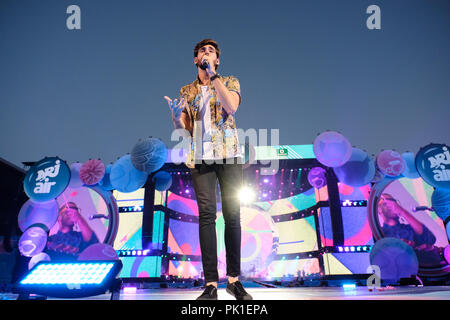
374 281
47 179
283 152
433 165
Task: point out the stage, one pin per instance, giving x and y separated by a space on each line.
261 293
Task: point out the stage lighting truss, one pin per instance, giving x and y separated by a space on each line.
134 253
351 249
71 279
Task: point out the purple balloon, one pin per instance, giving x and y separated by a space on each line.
316 177
391 163
32 241
98 251
332 149
358 171
31 213
447 253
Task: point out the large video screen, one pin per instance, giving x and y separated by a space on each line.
270 230
131 208
404 211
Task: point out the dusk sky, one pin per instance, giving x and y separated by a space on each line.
304 67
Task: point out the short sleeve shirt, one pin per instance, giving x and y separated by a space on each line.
224 135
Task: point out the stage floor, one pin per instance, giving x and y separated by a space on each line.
280 293
313 293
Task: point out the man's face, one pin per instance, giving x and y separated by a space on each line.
207 52
67 217
388 208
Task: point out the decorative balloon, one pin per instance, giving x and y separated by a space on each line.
125 177
149 155
433 165
105 183
32 241
38 258
447 253
92 171
390 163
440 201
75 180
33 213
317 177
410 166
162 180
395 258
332 149
98 251
47 179
358 171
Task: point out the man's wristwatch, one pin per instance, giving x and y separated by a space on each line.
214 77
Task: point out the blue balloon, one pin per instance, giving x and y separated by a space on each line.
410 166
395 258
433 165
105 183
149 155
162 180
47 179
440 201
125 177
358 171
75 180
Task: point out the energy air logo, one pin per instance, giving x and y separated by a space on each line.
47 179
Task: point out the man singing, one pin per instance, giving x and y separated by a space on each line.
206 109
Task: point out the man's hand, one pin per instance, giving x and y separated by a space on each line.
74 215
211 70
176 108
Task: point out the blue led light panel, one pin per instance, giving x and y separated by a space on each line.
68 273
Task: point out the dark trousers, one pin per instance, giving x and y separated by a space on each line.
204 177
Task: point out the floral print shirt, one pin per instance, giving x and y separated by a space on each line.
223 125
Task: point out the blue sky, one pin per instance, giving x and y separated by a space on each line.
304 67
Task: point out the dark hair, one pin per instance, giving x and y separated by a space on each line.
205 42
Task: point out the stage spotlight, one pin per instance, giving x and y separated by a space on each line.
76 279
246 195
129 290
349 286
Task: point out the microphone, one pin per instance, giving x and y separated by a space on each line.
98 216
204 65
421 208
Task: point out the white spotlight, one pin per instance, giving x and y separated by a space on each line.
246 195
